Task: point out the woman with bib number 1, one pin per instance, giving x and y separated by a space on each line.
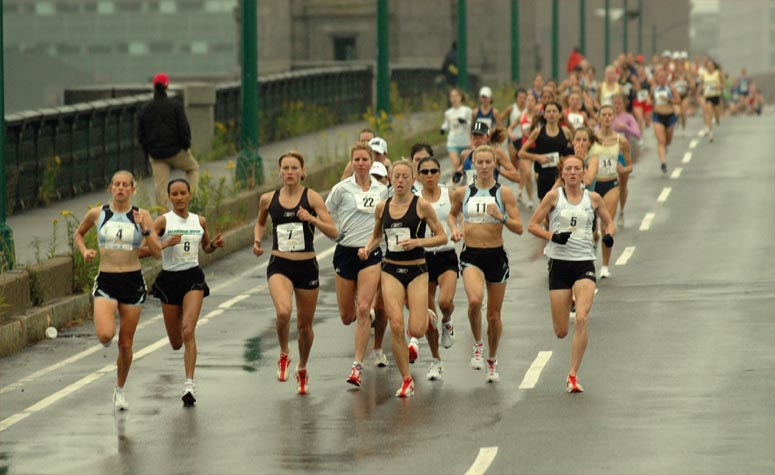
487 208
352 202
402 220
293 269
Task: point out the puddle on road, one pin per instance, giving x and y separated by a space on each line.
252 354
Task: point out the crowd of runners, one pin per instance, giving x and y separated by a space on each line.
567 148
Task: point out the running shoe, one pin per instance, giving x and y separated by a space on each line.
437 367
282 366
119 400
108 343
433 319
477 356
302 382
406 389
447 335
704 132
620 221
414 350
492 371
189 391
530 203
664 167
572 384
710 136
355 374
380 360
604 273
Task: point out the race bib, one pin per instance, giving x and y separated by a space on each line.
574 221
712 89
477 208
394 236
118 235
290 237
643 95
187 250
554 159
607 167
576 120
366 201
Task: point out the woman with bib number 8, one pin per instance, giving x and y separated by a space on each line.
293 269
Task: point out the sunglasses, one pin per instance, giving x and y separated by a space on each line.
429 171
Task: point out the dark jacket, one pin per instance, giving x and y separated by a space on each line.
162 128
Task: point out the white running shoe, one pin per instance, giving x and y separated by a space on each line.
492 371
447 335
620 221
710 136
437 367
477 356
380 360
119 400
406 389
189 393
604 273
414 350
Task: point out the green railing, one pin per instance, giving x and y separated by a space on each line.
58 153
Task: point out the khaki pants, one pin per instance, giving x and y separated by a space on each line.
183 160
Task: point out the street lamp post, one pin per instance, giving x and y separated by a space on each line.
249 164
6 235
383 59
515 41
607 34
555 39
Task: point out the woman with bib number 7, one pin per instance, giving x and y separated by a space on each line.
293 269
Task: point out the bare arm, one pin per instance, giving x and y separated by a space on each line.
523 151
624 146
426 212
88 221
456 198
323 221
591 172
506 167
260 228
209 245
144 220
348 171
606 223
536 227
376 236
159 226
514 221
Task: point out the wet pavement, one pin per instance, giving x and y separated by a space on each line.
678 372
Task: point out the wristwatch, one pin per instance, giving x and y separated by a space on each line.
147 232
505 218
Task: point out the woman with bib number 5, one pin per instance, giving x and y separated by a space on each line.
293 269
571 210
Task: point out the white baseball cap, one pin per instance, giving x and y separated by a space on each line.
379 145
667 53
486 92
377 168
684 54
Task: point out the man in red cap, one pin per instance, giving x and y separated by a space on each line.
165 136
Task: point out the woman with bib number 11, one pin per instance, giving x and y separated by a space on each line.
293 269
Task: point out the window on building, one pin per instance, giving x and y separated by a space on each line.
44 8
138 48
190 6
168 7
344 48
106 8
220 6
199 47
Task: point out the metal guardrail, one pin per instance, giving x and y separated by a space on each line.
94 139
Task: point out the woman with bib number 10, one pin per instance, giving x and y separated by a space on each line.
293 269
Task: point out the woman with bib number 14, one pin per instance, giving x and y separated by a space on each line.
293 269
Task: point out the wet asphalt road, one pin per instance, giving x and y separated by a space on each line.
678 373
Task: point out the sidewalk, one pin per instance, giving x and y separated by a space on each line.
317 147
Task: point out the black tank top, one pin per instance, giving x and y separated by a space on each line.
408 226
289 232
546 144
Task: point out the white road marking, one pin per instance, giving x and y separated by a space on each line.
483 461
665 193
86 380
44 371
693 143
229 303
534 372
676 173
646 223
628 251
687 157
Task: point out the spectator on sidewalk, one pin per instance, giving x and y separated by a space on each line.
165 136
449 67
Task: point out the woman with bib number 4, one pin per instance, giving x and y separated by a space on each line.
402 219
571 250
293 269
487 208
181 285
119 286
